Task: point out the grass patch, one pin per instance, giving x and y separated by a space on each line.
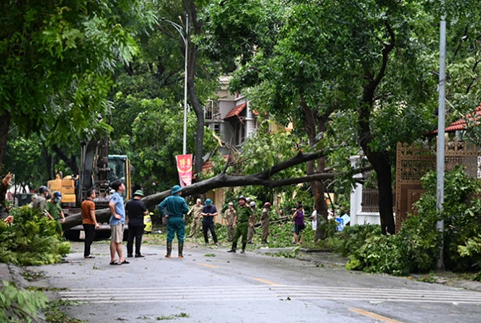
172 317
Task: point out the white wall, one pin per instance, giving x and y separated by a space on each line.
357 216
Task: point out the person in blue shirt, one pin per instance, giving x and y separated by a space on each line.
176 208
209 211
117 221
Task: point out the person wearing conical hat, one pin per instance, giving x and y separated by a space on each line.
135 211
176 208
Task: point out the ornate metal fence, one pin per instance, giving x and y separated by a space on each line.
414 161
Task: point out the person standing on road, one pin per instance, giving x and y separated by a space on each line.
89 222
196 210
314 222
298 218
54 210
251 231
176 208
135 210
229 216
242 221
41 201
117 221
265 221
209 211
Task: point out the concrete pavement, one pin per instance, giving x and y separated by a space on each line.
211 285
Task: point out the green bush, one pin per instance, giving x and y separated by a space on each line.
351 237
416 247
32 239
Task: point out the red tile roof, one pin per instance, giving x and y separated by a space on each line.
236 111
461 124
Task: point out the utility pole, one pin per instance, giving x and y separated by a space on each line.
441 130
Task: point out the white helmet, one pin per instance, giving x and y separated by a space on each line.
252 204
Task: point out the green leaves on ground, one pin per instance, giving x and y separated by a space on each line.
18 305
31 240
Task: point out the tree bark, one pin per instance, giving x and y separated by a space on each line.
70 161
5 118
314 125
379 159
191 10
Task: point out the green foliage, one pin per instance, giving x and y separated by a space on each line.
462 218
351 237
416 247
24 158
56 57
54 313
18 305
31 240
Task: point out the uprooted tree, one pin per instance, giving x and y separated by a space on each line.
261 178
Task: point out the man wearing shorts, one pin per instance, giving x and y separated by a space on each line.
117 221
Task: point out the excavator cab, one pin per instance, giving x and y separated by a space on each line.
120 169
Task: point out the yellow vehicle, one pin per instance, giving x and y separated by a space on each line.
148 223
66 186
119 168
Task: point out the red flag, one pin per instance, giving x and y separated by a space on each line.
184 167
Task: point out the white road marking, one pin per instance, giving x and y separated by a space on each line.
263 292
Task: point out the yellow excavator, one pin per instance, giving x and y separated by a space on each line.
98 170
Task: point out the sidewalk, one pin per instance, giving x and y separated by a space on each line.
334 259
316 256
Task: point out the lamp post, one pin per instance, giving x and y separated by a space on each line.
441 130
185 38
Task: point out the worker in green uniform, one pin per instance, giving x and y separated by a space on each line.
55 211
176 208
242 221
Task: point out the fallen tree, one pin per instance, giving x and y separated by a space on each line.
224 180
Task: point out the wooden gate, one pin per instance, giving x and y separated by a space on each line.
414 161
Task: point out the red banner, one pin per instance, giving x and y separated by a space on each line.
184 167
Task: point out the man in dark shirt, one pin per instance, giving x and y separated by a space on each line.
136 210
208 213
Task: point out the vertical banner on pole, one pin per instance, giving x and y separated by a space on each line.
184 167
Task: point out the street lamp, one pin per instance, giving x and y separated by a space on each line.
185 38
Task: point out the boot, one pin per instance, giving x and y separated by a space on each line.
234 246
243 247
181 249
169 249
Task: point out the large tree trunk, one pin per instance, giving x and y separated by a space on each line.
191 10
380 161
5 118
315 124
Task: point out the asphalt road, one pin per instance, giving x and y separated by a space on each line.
211 285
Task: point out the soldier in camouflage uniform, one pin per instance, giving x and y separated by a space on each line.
196 219
229 216
251 231
243 220
265 221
